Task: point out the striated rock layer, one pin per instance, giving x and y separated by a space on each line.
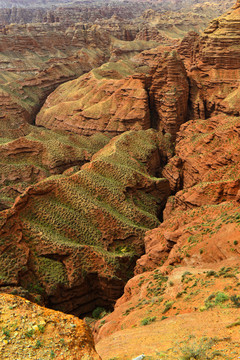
213 62
192 262
42 153
111 99
206 151
57 243
66 42
179 14
169 94
191 266
34 60
72 241
206 167
151 90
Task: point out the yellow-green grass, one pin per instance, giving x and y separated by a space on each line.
93 221
48 153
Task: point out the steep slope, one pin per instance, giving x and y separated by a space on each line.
42 48
206 167
192 260
171 323
40 154
175 19
34 60
110 99
151 90
74 240
195 13
213 67
191 267
168 94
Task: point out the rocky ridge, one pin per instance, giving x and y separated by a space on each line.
91 11
168 94
24 84
59 224
191 265
122 96
32 66
40 154
197 245
212 61
111 99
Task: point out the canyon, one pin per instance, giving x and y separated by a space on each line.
41 50
120 180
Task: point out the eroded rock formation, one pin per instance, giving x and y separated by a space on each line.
213 63
42 153
205 173
196 248
169 94
111 99
122 96
195 13
35 59
72 241
77 238
193 253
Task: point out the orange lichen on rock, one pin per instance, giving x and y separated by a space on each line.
29 331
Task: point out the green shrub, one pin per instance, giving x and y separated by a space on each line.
179 294
99 313
211 273
236 323
221 297
6 332
218 299
148 320
236 300
168 306
38 344
29 333
199 350
41 328
102 322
